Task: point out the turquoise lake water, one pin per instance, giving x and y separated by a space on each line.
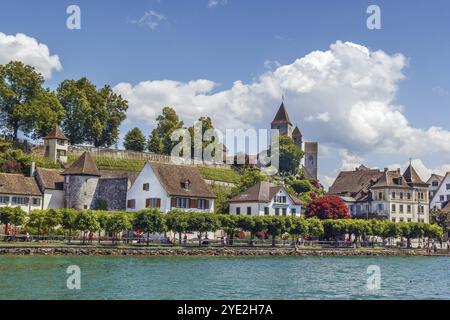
40 277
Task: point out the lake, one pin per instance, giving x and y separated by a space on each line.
45 277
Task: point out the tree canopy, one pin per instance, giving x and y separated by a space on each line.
134 140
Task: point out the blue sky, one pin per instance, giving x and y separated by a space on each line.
235 39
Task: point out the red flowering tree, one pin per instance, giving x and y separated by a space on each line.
328 207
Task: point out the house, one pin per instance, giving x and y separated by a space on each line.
18 190
168 186
372 193
442 194
267 199
433 184
51 184
56 146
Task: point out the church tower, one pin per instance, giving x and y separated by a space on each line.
282 122
297 137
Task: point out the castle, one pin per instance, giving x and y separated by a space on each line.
284 125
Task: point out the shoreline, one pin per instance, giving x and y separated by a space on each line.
73 250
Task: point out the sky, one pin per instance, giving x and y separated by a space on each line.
374 97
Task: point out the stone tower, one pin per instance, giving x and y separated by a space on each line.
56 146
297 137
282 122
80 183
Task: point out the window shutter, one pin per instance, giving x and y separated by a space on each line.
193 203
173 202
158 203
148 203
206 204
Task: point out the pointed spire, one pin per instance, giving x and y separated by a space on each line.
282 116
412 177
56 133
296 132
84 166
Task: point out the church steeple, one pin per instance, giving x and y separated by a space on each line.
297 137
282 121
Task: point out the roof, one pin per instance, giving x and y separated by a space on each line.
18 184
56 133
171 176
84 165
119 174
263 191
282 116
50 178
437 176
296 132
351 182
412 177
392 179
446 207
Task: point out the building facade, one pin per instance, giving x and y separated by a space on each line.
372 193
442 194
169 186
265 199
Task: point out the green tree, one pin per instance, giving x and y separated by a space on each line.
230 225
91 115
117 223
299 227
52 219
441 218
276 226
102 218
433 231
68 220
250 176
202 222
36 219
24 104
205 123
15 216
86 221
134 140
149 221
315 228
167 122
252 224
301 186
155 143
290 155
177 221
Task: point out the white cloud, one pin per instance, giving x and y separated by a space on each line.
347 93
29 51
151 19
422 170
215 3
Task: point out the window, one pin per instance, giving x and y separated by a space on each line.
393 195
183 203
393 219
380 195
408 208
280 199
249 211
4 199
277 211
409 219
201 204
131 204
448 197
393 208
146 186
293 211
85 207
380 207
266 211
284 211
238 210
153 203
401 219
61 142
185 184
36 201
435 183
447 186
401 195
408 196
401 208
441 198
20 200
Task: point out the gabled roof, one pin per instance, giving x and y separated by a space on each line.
282 116
436 176
446 207
50 178
263 191
349 183
56 133
84 165
392 179
171 176
440 186
18 184
296 132
412 177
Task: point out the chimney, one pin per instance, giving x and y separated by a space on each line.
32 168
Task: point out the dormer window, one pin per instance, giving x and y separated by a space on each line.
185 184
146 186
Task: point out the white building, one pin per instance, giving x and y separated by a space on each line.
18 190
51 184
168 186
267 199
433 184
442 194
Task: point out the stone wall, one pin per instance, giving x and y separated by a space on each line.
113 192
79 192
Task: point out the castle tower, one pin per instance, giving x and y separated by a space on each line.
282 122
311 155
297 137
56 146
80 183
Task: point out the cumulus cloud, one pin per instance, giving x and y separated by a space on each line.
343 97
29 51
422 170
150 19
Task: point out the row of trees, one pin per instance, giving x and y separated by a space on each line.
153 221
86 114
